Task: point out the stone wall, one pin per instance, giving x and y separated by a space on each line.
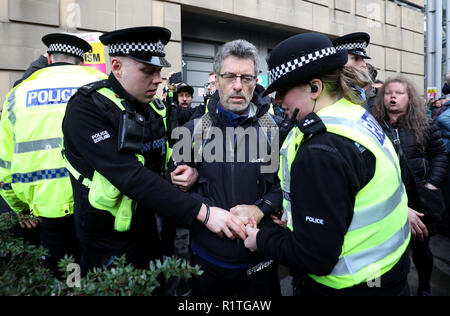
397 32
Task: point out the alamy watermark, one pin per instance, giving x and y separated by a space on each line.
74 278
374 15
374 279
73 19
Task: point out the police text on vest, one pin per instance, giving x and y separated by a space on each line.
314 220
52 96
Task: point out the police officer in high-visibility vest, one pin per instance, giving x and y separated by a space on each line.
115 146
344 200
33 176
356 45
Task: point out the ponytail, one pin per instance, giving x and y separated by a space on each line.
351 79
346 82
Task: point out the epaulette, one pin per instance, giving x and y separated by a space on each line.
93 86
311 125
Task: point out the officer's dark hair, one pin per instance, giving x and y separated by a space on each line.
237 48
60 57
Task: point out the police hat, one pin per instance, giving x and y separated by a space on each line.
62 43
355 43
301 58
185 87
144 44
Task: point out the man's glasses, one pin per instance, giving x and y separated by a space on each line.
206 85
231 77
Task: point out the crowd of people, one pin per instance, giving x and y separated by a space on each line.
317 172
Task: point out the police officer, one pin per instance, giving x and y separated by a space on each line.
356 45
343 196
32 173
115 140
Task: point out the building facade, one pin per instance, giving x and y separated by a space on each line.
199 27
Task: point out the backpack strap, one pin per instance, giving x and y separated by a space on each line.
203 124
267 123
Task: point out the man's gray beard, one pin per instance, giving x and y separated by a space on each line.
237 110
234 109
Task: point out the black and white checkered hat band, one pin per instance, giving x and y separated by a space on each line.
129 47
352 46
283 69
65 49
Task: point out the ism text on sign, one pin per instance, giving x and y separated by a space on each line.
92 58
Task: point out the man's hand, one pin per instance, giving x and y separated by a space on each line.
223 223
171 87
184 177
418 229
245 212
430 186
280 221
252 231
28 223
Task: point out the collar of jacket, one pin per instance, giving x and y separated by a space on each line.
232 119
60 63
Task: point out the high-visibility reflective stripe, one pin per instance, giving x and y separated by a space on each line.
10 107
6 186
368 216
363 217
285 180
376 213
36 145
330 120
154 144
5 164
40 175
351 264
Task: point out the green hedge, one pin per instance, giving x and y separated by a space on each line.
21 272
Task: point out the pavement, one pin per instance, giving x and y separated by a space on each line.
440 278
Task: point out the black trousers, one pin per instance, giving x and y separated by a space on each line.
100 243
59 237
423 260
218 281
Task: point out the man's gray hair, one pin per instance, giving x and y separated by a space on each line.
237 48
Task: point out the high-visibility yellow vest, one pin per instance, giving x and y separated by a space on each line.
102 194
32 172
379 232
109 94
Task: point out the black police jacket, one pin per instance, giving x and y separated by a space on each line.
91 143
326 175
227 184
